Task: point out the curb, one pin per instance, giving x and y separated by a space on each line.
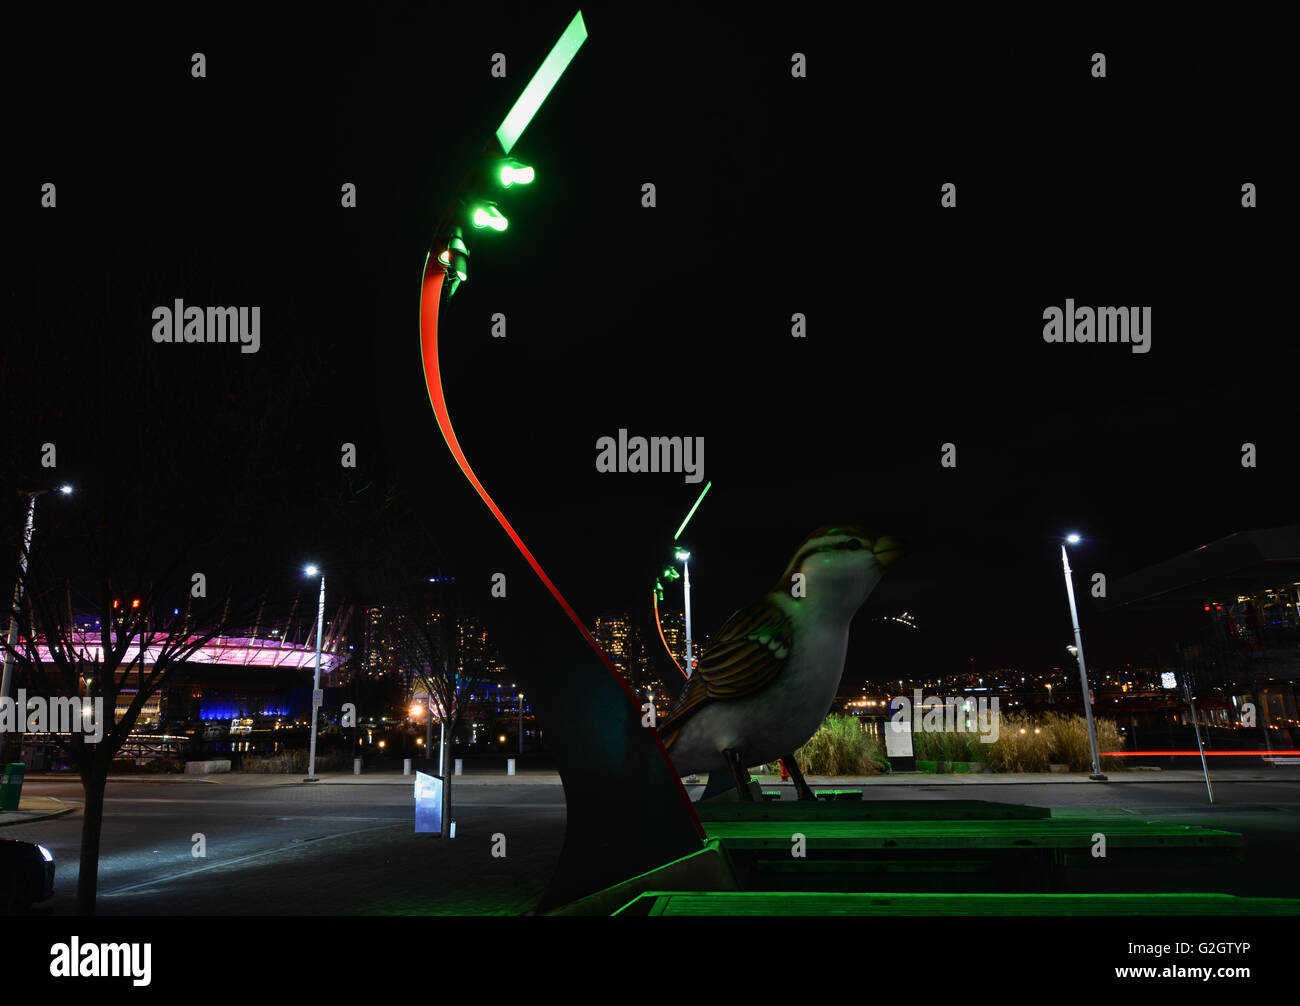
28 816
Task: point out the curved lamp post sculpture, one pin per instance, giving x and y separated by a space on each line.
627 811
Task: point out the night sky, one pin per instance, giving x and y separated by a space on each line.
775 195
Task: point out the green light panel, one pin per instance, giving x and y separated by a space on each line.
561 54
693 509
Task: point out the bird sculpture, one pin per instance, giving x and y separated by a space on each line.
770 674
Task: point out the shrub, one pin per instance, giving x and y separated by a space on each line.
948 746
1028 744
1018 748
1069 744
156 766
293 761
841 747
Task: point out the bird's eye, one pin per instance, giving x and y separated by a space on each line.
854 544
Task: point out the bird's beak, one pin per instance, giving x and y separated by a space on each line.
886 550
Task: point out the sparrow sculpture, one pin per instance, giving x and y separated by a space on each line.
769 676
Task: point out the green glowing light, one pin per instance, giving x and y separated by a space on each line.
514 173
561 54
489 216
692 513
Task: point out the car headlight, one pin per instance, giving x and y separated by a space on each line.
46 854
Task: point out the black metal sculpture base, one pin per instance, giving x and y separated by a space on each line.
800 786
740 774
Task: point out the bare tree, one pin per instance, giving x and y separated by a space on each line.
105 677
429 638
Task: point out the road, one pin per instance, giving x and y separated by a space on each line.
290 848
303 849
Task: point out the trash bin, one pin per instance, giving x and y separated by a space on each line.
11 785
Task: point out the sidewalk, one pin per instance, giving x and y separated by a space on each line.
394 777
1122 776
35 808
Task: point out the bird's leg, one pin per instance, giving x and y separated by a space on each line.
739 773
800 785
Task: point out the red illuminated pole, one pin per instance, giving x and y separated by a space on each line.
430 300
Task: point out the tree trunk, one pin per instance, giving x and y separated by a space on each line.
92 785
445 771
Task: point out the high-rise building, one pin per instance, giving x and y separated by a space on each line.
673 624
625 646
613 633
381 651
475 656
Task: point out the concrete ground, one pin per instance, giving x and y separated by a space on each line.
275 845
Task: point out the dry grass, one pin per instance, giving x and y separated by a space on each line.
1024 744
841 747
1028 744
1068 740
949 746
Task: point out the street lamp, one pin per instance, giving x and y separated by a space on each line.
1097 776
315 688
683 556
6 677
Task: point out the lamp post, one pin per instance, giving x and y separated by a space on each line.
683 557
6 677
428 724
315 688
521 722
670 574
1083 669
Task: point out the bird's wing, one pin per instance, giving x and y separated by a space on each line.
748 653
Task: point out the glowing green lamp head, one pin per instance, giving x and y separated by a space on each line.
513 172
487 215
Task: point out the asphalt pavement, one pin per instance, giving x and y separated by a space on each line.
275 845
279 847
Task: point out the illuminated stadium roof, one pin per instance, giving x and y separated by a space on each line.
233 651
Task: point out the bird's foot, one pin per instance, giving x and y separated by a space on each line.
801 787
740 774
